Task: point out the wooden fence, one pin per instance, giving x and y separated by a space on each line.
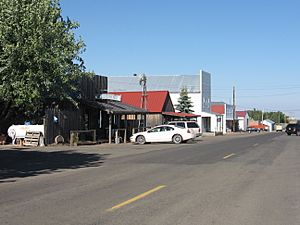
60 122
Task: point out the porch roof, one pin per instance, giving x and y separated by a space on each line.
178 114
114 107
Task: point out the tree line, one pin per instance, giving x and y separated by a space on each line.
277 117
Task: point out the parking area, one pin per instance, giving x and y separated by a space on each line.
19 162
118 150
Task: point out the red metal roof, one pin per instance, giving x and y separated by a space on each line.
259 126
241 113
220 109
179 114
155 99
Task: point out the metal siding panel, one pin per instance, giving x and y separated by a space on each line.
172 83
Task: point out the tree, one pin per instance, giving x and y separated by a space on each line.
39 57
255 114
185 103
278 117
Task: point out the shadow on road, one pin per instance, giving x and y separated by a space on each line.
17 163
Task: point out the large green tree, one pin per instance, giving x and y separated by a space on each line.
39 57
184 102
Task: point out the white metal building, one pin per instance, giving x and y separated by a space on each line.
226 110
198 87
270 124
243 120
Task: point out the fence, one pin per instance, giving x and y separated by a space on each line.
82 137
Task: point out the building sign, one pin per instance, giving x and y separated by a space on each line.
109 97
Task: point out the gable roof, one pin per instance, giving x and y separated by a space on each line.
269 121
155 99
241 113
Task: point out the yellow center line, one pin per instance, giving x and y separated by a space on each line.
136 198
228 156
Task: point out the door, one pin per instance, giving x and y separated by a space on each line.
160 134
153 135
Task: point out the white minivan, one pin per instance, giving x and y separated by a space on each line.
191 125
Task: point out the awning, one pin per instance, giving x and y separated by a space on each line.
114 107
179 114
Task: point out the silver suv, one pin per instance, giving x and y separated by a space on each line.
191 125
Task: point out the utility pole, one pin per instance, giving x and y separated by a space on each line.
233 111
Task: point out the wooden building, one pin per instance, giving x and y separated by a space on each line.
159 106
93 118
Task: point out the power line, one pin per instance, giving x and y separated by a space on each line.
268 95
259 88
268 109
258 96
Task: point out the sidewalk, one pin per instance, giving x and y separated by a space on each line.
119 150
109 150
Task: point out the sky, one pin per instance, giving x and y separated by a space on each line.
251 45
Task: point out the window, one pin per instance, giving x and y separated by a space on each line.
163 129
157 129
192 125
180 125
169 128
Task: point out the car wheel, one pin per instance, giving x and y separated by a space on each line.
140 139
177 139
298 133
288 134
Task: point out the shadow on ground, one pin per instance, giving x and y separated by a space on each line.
19 163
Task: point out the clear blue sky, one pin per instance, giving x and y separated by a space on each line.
252 45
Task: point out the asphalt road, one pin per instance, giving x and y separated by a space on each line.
238 180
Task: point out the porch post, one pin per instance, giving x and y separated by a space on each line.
125 132
109 128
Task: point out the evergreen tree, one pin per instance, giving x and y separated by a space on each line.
185 103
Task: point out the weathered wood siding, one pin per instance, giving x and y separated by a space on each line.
92 86
67 119
154 120
168 105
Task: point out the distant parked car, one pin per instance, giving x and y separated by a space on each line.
163 133
293 129
191 125
253 129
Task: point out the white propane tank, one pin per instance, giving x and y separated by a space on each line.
19 131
